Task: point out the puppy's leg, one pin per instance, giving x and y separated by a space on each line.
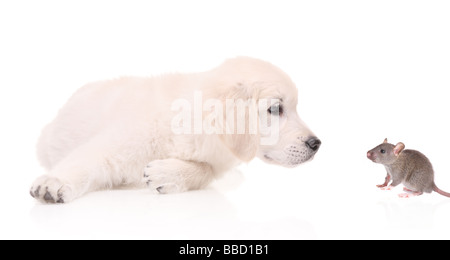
174 175
89 167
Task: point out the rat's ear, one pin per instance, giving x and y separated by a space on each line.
399 148
385 141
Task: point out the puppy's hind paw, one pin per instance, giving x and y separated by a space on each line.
50 190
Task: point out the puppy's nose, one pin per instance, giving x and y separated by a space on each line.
313 143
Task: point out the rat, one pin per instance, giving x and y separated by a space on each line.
409 167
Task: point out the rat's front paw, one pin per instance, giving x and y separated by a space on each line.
387 187
50 190
160 178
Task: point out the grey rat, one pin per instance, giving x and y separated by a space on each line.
409 167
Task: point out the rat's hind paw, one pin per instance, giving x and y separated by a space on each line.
410 195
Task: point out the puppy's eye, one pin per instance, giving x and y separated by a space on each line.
382 151
276 109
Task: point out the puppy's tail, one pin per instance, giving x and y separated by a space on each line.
443 193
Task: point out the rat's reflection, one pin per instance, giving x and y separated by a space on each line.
412 213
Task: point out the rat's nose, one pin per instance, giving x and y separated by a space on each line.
313 143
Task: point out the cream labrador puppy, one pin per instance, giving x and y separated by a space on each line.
172 133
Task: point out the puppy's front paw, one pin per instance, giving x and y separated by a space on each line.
160 178
50 190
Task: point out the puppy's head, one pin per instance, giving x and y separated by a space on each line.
265 99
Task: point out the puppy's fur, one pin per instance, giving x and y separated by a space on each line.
118 132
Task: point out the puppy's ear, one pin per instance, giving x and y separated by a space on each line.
240 131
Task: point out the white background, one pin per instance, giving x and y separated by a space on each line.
365 70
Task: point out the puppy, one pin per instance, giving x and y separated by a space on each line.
172 133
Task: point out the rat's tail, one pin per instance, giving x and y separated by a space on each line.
436 189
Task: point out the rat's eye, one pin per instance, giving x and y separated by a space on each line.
276 109
382 151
